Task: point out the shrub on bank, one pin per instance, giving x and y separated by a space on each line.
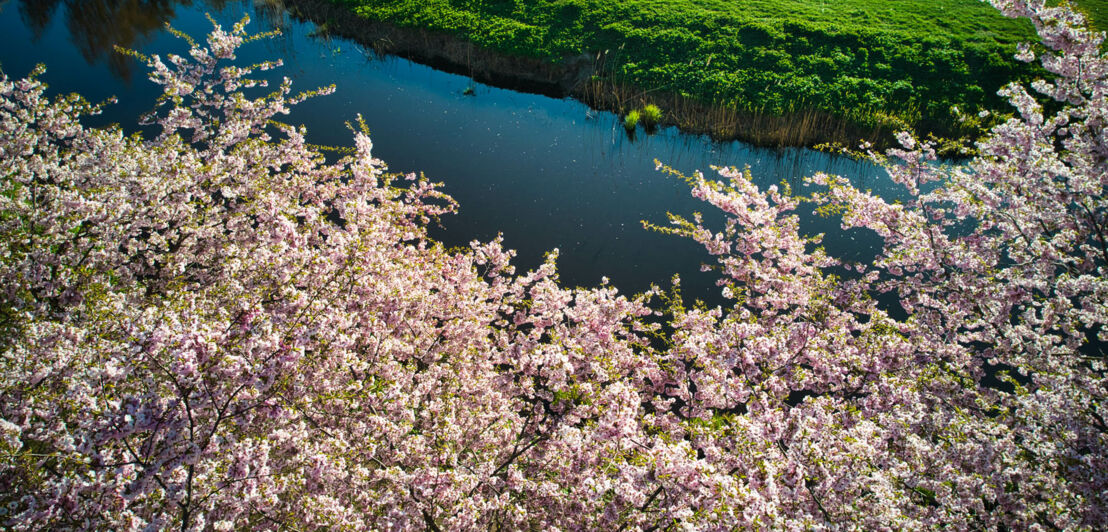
631 120
651 115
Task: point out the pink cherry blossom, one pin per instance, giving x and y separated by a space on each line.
215 328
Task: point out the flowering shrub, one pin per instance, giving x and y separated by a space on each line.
217 329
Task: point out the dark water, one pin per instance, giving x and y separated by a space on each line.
546 173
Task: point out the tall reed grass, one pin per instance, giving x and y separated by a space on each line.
799 126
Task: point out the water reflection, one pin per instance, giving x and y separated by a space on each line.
96 26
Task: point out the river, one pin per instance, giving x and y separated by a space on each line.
544 172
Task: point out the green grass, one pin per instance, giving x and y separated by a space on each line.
881 61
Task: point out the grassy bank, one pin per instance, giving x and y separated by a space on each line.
861 65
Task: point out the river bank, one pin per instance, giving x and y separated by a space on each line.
583 77
586 78
802 82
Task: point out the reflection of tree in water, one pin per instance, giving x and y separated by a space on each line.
271 14
97 26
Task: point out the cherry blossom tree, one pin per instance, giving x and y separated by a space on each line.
216 329
213 327
983 407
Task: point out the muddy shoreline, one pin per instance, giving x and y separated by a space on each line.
585 78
